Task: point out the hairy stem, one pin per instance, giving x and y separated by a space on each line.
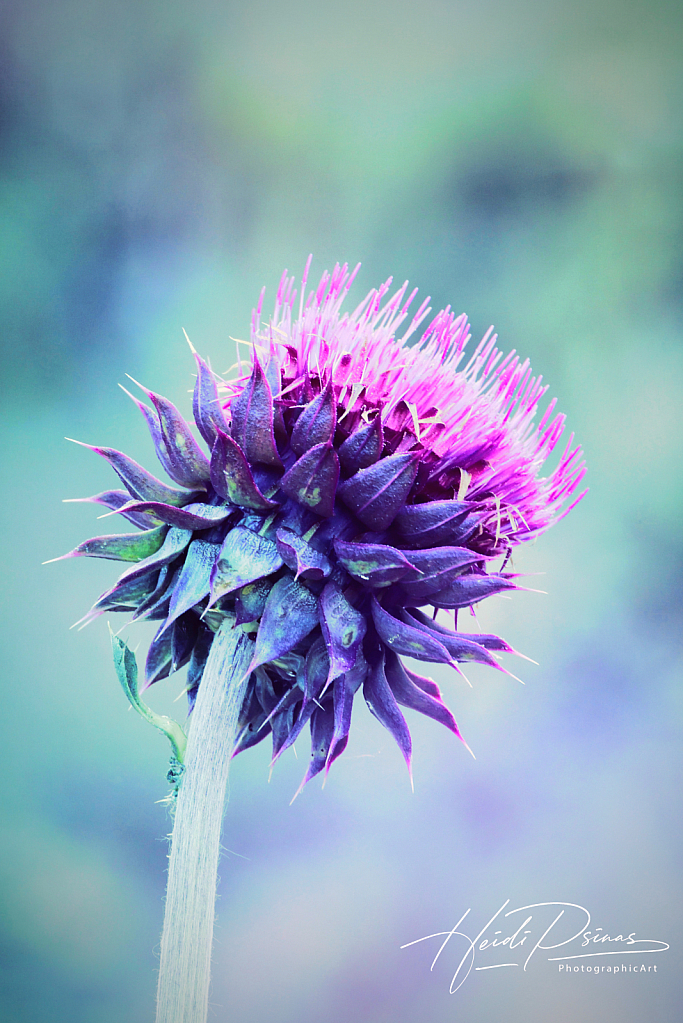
184 972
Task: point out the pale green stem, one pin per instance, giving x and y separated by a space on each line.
185 968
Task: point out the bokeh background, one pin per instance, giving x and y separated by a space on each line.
522 161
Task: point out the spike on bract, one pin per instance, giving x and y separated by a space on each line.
350 480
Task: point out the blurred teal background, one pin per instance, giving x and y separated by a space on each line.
159 162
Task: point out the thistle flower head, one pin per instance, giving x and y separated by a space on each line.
351 479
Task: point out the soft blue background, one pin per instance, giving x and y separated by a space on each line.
159 162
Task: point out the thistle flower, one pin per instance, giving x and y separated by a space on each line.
350 480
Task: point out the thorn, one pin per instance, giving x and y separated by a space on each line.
60 558
81 443
192 347
511 675
237 741
467 748
517 654
454 664
267 721
86 618
131 396
246 675
137 384
118 632
299 790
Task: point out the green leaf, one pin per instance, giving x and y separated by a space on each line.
127 671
